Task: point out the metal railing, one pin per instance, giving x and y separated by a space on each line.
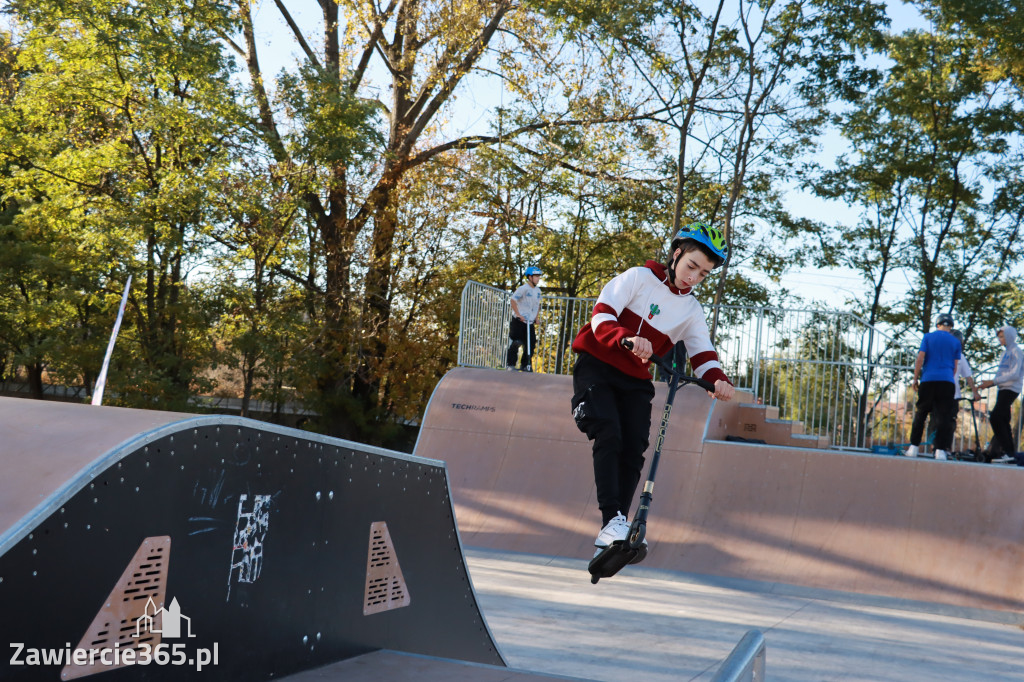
831 370
746 663
840 376
483 328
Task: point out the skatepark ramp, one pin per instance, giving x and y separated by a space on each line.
522 480
246 549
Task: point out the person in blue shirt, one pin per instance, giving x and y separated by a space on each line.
935 383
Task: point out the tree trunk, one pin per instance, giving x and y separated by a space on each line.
35 379
376 306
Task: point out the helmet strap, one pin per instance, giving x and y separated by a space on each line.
674 259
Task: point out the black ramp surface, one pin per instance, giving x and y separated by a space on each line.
401 667
271 534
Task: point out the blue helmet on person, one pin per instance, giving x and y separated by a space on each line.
944 320
709 237
532 270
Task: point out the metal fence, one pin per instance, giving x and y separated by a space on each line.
830 370
840 376
483 328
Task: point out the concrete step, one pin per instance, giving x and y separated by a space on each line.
795 426
762 422
811 441
768 411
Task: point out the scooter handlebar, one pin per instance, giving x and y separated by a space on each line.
669 369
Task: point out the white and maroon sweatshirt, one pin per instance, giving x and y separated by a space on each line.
642 302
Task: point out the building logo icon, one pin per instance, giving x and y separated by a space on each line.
170 621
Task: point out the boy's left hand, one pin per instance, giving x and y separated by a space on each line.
723 390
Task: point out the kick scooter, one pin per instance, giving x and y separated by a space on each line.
632 550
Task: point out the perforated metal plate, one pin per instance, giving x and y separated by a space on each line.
118 625
291 598
385 587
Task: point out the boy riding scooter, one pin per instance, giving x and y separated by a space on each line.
652 308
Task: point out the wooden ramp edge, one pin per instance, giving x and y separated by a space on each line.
47 444
522 480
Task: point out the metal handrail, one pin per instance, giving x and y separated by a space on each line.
746 663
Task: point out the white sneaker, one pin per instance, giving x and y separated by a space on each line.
1005 459
911 451
615 530
941 454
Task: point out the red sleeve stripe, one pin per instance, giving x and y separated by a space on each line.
700 359
714 374
707 365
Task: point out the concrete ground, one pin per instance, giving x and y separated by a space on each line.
657 625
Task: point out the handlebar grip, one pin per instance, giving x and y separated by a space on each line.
684 378
706 385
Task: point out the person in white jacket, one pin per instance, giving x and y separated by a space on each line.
653 307
1009 378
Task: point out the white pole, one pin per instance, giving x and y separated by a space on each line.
97 395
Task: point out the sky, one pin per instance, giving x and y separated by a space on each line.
836 285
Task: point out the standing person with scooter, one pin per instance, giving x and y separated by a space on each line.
1009 378
648 309
522 332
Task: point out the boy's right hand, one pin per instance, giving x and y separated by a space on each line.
723 391
641 347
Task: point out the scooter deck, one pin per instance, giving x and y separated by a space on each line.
613 559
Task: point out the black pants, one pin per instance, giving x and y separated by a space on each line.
517 331
999 418
935 398
614 410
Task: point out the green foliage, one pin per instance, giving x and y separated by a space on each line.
114 143
311 233
935 176
996 30
330 124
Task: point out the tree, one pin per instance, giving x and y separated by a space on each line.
115 141
785 64
996 28
742 90
260 310
347 151
938 192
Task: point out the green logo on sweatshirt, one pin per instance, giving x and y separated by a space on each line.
654 311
